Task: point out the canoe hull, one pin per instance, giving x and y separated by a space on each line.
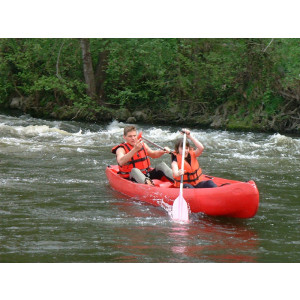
231 198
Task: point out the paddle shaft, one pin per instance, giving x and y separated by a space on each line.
161 148
180 210
152 143
182 164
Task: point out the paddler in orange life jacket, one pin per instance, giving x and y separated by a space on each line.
192 173
133 159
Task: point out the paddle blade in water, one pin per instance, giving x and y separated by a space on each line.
180 210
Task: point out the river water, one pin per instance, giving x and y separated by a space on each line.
57 205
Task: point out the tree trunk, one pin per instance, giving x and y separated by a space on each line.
101 74
89 75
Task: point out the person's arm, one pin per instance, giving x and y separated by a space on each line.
176 172
123 158
199 146
156 153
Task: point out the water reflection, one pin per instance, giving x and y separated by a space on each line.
151 236
209 241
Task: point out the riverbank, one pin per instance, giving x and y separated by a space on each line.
231 84
232 115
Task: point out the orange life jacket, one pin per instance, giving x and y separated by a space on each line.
139 160
193 172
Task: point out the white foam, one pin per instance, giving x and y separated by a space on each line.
50 135
285 141
31 130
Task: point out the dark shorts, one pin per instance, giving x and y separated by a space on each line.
154 174
202 184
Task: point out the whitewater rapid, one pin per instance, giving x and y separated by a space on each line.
46 135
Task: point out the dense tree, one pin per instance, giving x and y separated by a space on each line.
249 79
88 70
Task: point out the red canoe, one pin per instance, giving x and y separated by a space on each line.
231 198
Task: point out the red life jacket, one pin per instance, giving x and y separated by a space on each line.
139 160
193 172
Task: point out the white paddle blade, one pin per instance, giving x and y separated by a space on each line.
180 210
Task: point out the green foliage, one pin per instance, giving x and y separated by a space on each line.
52 88
41 68
272 103
137 73
287 61
190 76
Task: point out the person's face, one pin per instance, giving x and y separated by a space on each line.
187 149
131 137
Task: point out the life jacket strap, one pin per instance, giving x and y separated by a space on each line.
136 160
126 173
188 177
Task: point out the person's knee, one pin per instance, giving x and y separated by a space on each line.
134 171
166 170
187 186
206 184
211 184
137 175
161 166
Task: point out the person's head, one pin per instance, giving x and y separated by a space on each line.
178 147
130 135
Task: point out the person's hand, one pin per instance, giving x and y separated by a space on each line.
167 150
186 131
180 172
138 145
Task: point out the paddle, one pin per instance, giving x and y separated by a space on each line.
141 137
180 210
